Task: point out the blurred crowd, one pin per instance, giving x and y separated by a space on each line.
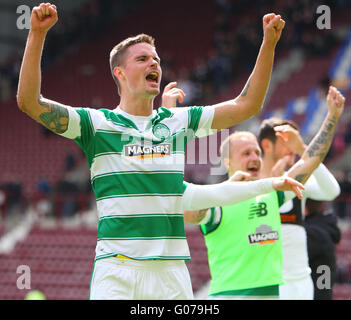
63 198
237 36
80 25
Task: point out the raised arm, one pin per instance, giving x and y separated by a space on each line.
322 185
49 113
197 197
251 99
318 148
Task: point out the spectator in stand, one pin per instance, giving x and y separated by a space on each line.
65 198
12 188
43 186
348 134
323 234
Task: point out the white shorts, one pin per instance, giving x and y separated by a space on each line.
300 289
123 279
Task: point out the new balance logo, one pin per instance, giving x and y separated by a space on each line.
258 210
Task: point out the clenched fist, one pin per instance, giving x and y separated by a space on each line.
43 17
273 26
335 101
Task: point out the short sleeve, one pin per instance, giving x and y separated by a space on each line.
211 221
73 131
200 121
87 128
281 198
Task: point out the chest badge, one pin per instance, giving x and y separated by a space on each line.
161 131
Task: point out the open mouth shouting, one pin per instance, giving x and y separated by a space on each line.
153 78
253 169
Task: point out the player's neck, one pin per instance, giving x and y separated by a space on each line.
267 166
137 106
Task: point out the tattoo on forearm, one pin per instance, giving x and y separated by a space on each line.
246 88
320 145
56 118
300 177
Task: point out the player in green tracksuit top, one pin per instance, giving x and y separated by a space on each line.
254 227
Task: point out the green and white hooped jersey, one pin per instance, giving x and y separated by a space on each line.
137 170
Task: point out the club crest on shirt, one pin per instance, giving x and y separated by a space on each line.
161 131
264 235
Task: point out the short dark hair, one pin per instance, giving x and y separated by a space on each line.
267 129
117 54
